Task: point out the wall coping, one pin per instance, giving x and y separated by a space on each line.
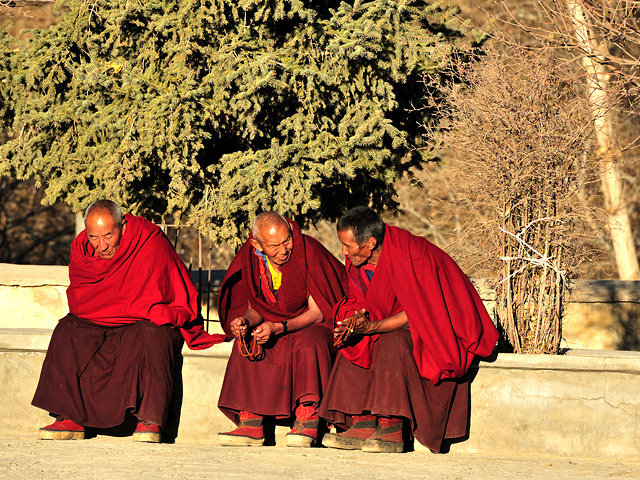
580 291
35 339
578 360
33 275
17 275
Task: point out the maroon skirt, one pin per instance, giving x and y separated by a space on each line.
295 367
393 387
94 374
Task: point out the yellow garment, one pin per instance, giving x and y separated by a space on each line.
276 275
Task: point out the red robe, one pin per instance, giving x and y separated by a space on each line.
448 321
311 271
296 365
115 352
417 374
144 281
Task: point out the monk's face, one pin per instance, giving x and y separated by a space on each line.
276 242
104 235
358 255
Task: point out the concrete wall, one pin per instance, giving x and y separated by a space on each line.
601 315
583 404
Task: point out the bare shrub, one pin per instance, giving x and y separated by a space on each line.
519 142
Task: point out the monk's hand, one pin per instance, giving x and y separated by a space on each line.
358 323
263 332
238 326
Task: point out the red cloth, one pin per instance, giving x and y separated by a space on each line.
311 271
449 324
297 365
392 387
144 281
95 374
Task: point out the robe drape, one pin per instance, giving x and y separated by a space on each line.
115 352
296 365
418 373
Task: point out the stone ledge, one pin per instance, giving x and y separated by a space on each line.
583 405
37 340
33 275
572 360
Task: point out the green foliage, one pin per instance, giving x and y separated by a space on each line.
5 81
212 111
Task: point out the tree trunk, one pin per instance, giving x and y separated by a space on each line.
597 90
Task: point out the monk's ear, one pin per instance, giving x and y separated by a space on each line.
372 243
256 244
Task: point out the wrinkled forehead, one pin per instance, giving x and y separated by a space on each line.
347 236
275 234
100 221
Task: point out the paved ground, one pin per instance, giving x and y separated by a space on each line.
24 458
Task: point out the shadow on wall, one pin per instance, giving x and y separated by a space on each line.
626 326
624 313
603 315
30 232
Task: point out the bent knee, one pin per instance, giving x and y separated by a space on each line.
313 336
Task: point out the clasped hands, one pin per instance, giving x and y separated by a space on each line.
262 333
356 324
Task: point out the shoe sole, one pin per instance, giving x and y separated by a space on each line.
60 435
149 437
239 441
382 446
300 441
330 440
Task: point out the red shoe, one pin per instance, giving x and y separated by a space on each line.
388 437
249 432
305 428
146 432
62 429
363 427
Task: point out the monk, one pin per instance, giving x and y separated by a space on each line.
408 331
276 300
131 303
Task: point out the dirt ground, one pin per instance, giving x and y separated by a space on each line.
25 458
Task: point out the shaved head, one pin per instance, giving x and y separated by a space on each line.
272 236
113 208
266 221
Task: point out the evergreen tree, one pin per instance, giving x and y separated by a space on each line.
5 82
212 111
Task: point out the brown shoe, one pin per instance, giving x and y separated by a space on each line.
354 438
388 437
62 429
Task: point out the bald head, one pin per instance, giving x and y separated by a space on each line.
103 231
113 208
267 221
272 236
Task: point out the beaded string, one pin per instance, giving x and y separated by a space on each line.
253 353
346 332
